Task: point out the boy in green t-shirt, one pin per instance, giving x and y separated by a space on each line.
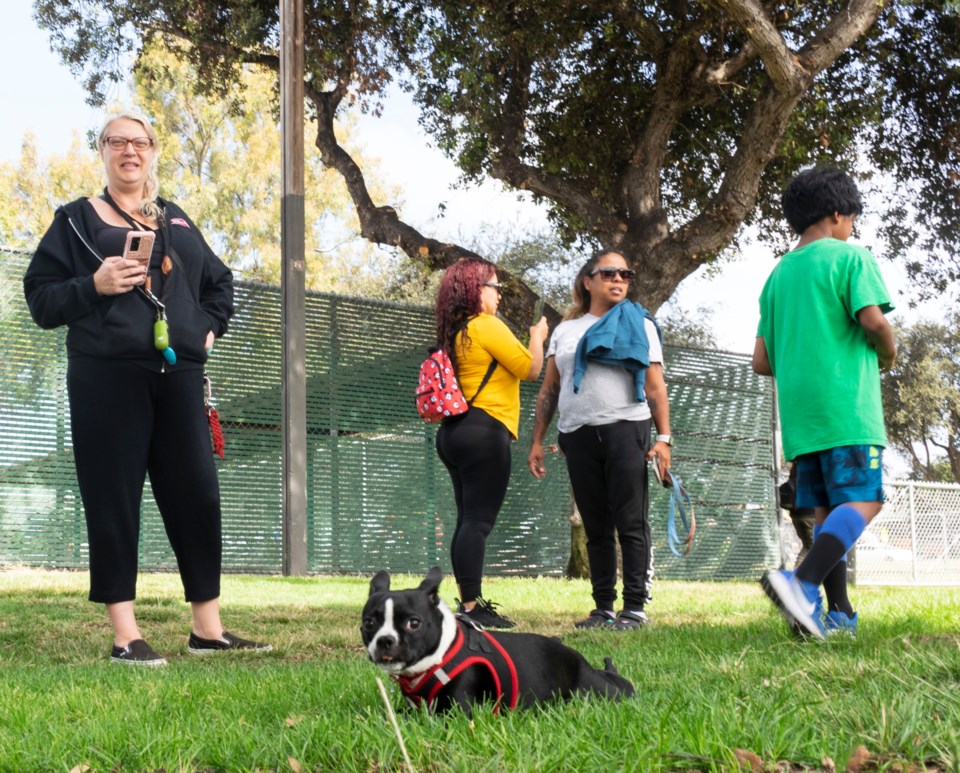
822 334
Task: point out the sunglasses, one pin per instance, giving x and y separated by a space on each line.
120 143
609 274
494 285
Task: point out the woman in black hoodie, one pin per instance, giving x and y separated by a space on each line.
137 340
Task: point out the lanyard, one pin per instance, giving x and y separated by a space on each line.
161 331
137 226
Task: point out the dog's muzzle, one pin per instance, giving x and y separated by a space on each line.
385 650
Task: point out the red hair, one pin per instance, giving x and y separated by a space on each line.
458 299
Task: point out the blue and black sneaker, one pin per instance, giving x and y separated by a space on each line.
797 604
798 630
838 623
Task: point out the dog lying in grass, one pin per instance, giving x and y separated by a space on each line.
443 661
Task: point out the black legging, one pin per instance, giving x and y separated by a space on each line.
608 472
126 421
475 448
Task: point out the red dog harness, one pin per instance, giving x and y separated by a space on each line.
472 647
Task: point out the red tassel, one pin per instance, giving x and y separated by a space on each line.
215 430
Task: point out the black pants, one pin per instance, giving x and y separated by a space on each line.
608 472
475 448
127 421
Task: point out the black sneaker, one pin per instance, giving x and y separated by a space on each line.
227 642
137 653
485 614
596 619
627 620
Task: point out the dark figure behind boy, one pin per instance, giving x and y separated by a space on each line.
801 517
823 334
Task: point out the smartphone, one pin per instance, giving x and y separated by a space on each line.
665 480
537 310
139 246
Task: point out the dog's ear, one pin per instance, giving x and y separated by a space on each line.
431 584
380 582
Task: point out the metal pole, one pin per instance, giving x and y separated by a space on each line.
913 530
293 294
774 431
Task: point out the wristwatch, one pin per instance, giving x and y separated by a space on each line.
668 439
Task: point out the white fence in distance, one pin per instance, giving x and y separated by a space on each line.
915 540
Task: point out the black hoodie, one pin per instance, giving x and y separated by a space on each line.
197 294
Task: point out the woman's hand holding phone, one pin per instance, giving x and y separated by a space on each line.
117 275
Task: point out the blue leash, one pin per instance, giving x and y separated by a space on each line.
680 505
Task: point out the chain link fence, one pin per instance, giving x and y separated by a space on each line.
915 540
378 496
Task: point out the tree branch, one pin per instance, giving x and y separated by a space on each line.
724 72
646 31
640 182
778 60
712 230
507 165
381 225
841 32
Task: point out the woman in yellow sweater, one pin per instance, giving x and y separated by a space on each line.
475 446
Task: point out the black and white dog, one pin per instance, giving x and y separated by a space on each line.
441 660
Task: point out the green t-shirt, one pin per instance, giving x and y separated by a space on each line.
828 379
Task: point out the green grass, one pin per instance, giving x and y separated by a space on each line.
716 672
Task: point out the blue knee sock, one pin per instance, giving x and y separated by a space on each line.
832 541
846 524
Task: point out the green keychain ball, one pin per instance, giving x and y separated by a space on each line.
161 335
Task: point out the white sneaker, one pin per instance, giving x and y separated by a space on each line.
787 593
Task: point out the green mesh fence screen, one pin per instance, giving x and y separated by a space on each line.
377 496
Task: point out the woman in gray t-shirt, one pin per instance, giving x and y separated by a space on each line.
605 375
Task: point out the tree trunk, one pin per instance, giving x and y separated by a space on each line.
578 567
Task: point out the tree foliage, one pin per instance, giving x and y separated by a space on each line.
683 328
220 158
32 188
659 129
921 397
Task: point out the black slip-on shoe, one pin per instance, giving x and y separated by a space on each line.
226 643
137 653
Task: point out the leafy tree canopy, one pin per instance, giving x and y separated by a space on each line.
220 158
659 129
32 188
921 399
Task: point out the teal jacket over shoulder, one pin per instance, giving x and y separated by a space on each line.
619 338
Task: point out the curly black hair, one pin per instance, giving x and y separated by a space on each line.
817 193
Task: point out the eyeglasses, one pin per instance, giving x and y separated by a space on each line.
120 143
609 274
495 285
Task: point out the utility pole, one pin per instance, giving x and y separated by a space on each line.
293 293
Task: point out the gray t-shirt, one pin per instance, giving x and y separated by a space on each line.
607 392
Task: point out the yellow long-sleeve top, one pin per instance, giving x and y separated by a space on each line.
489 338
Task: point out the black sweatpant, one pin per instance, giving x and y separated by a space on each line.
475 448
608 471
128 421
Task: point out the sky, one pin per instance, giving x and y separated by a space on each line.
47 100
